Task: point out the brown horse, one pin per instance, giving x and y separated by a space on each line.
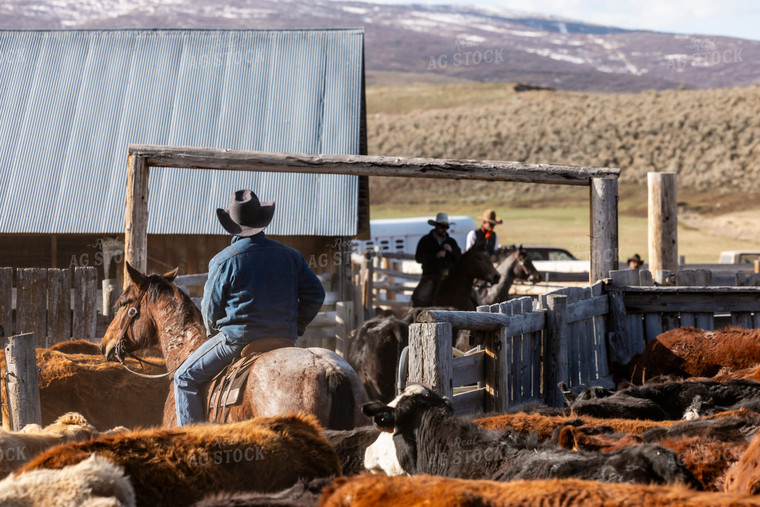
515 265
154 311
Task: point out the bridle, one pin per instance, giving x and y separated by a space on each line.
120 348
521 262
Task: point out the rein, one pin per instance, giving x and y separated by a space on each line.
123 333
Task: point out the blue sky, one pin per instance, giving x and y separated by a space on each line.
732 18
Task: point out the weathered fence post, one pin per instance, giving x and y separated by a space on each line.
604 227
21 381
31 303
85 318
136 216
344 319
556 349
663 221
430 359
6 304
59 306
110 292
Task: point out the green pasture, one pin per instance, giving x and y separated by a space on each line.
568 227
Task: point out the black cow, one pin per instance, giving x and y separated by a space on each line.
428 439
670 400
351 446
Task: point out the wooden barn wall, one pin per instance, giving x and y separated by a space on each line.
191 253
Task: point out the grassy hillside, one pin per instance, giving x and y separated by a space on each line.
711 138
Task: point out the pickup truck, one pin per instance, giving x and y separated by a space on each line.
739 256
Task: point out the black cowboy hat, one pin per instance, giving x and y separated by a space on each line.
636 257
246 215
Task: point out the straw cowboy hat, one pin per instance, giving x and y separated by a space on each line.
246 215
441 219
490 216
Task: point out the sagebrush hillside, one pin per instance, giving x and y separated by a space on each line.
711 138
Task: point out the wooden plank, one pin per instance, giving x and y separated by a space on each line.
31 303
110 293
595 306
393 273
136 216
574 332
430 360
600 336
705 321
652 325
556 349
624 277
604 227
756 320
85 318
507 391
470 402
21 380
344 320
645 278
670 321
468 369
692 299
742 319
622 345
59 306
362 165
662 220
6 304
587 364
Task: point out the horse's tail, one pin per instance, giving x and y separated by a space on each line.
342 406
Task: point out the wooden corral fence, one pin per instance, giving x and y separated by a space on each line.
54 304
380 280
570 336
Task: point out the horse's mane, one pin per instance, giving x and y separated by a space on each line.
184 307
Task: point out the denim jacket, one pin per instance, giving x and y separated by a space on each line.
259 288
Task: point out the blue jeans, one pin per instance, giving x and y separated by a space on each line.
200 367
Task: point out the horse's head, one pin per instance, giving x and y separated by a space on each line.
477 263
524 268
134 325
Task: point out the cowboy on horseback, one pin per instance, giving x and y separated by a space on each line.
438 253
257 290
485 234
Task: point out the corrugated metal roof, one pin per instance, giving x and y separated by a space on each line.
72 101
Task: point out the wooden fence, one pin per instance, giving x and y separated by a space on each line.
54 304
570 336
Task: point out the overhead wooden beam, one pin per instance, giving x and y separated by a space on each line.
362 165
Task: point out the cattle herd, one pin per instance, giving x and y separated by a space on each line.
680 430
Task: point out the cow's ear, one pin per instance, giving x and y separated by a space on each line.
382 415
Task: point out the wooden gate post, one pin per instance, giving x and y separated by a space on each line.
556 365
604 228
430 358
136 216
663 221
21 381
